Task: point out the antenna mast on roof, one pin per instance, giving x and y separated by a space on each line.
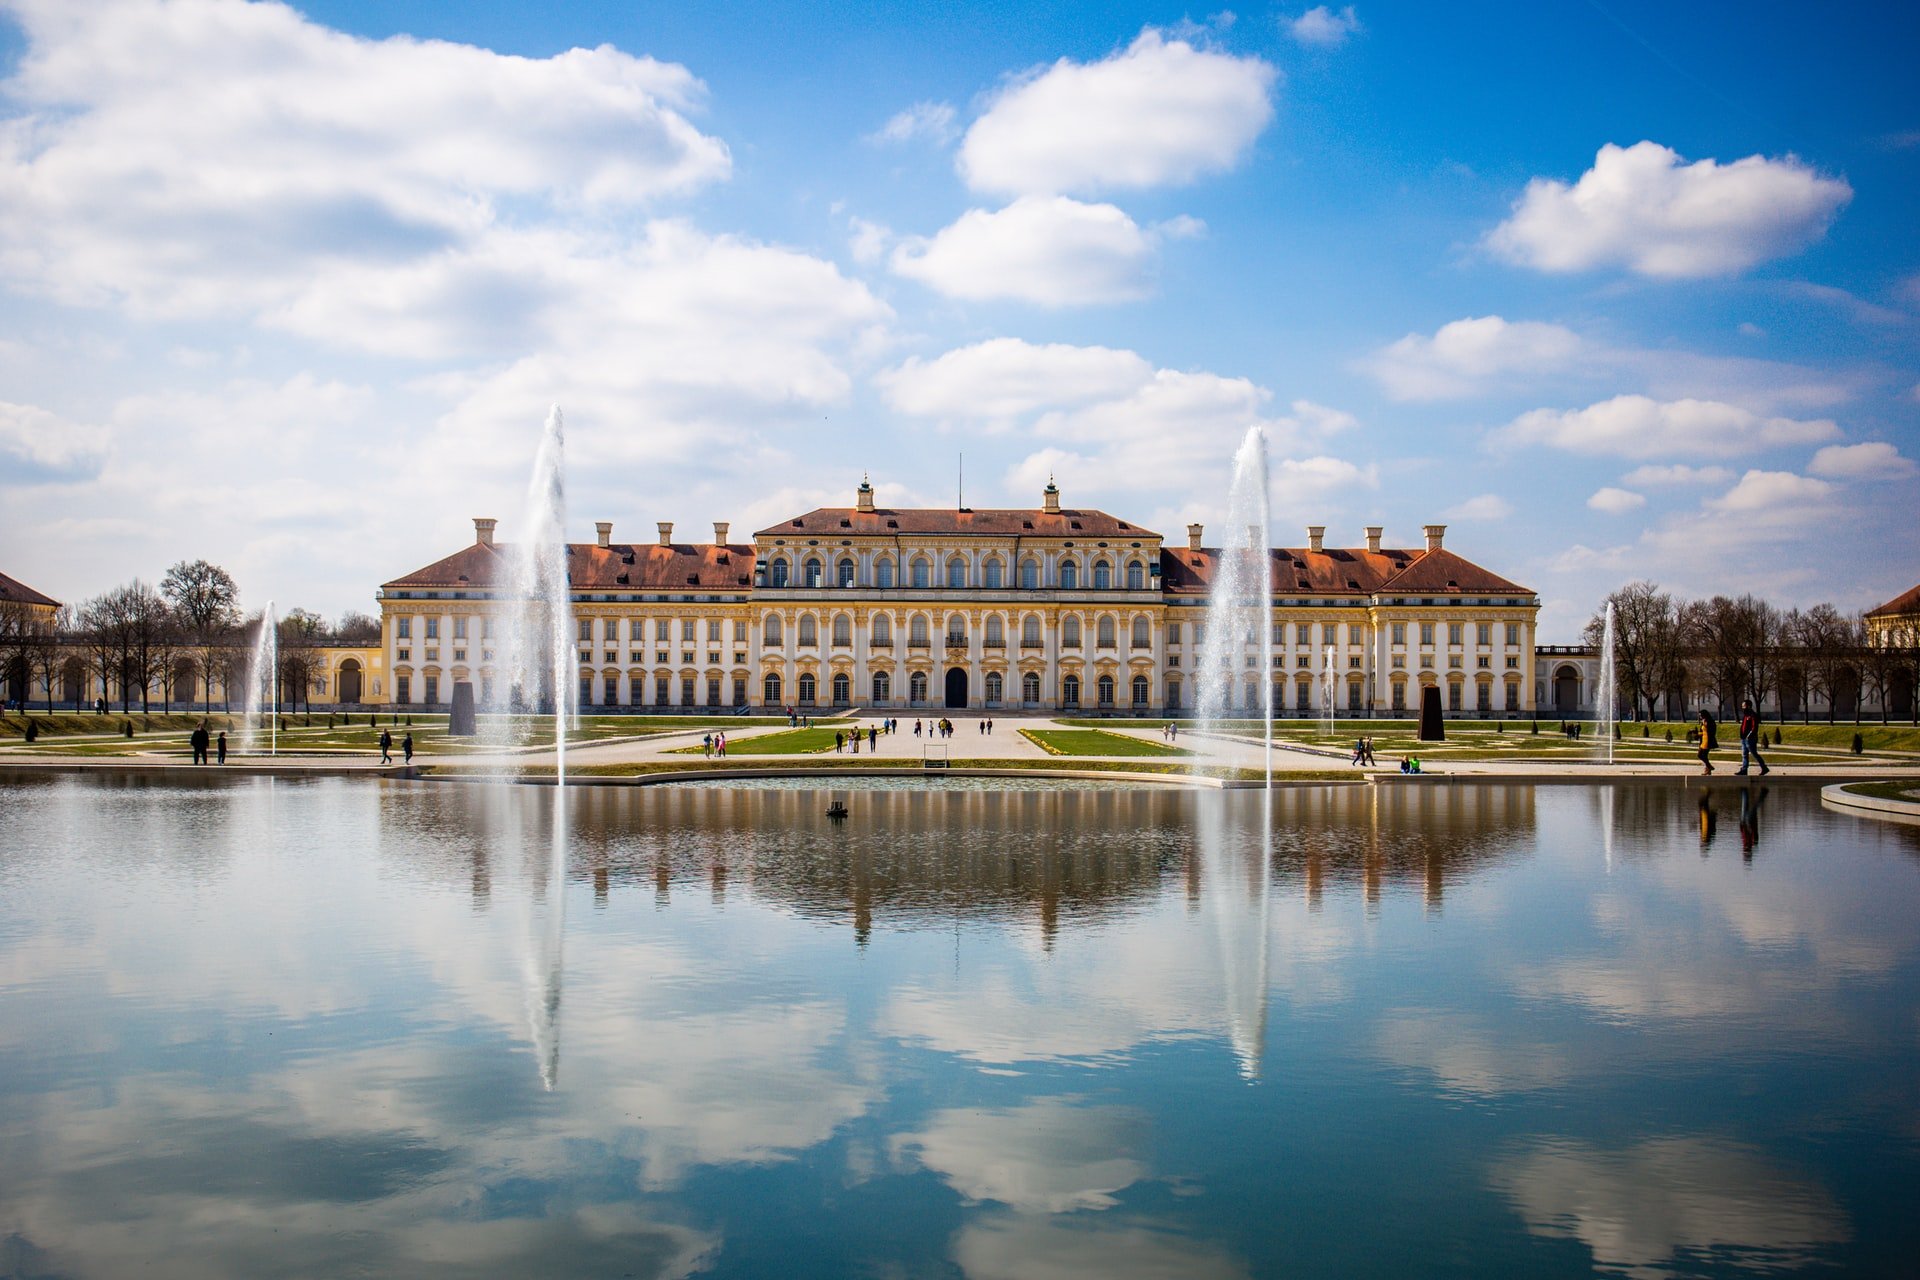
961 494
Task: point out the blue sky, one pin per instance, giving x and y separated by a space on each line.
1613 290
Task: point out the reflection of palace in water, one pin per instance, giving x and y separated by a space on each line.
934 857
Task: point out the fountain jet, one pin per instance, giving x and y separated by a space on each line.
1240 605
263 688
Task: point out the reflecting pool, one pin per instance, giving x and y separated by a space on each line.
301 1028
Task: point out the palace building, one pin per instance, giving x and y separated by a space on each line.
1052 608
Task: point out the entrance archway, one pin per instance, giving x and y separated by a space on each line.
1566 690
956 686
350 682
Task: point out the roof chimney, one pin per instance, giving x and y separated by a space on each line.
1373 537
666 532
1050 498
483 530
719 533
863 496
1435 533
1193 536
1316 534
605 529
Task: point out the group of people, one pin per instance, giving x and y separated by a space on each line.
386 746
1709 740
1169 731
943 727
850 739
200 740
1362 751
715 745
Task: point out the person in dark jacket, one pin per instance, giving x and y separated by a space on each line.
386 747
406 747
1709 740
198 741
220 746
1750 739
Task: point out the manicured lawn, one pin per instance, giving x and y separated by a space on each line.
1095 742
897 764
798 742
1908 791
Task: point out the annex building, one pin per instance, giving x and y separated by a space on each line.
1051 608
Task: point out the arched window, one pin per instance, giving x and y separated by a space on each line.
1279 696
1303 696
956 573
1136 576
1141 638
996 632
882 687
843 573
1030 687
1106 632
883 574
1102 575
994 574
812 578
956 629
994 687
917 631
1253 702
1139 691
770 634
770 690
777 573
842 690
1070 632
1029 573
1069 575
917 688
806 690
1030 632
842 630
1070 691
882 631
809 631
922 572
1105 688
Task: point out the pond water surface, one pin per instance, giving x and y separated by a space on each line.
337 1027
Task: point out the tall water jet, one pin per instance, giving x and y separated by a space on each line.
1605 698
536 661
263 688
1327 686
1240 603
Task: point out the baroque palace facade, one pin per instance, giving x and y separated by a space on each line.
1048 609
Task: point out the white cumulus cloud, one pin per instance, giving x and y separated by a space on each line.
1161 112
1640 427
1322 26
1004 378
1050 250
1765 490
1643 208
1875 460
41 447
931 120
1616 502
1488 506
1464 356
1675 473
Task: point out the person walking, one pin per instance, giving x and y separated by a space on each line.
1750 738
386 746
873 739
406 747
706 745
222 746
1709 740
198 741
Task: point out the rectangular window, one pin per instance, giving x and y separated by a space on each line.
403 689
1484 697
610 695
1453 661
1426 635
740 637
713 691
1399 633
433 628
739 691
1484 661
1400 662
459 655
1173 633
713 630
1453 697
433 688
662 630
688 630
586 691
1513 634
1513 662
1454 630
1513 697
486 627
686 691
1485 636
403 655
1400 696
612 656
403 628
586 630
660 691
460 628
1353 662
1279 633
686 659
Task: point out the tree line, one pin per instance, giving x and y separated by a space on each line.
142 642
1672 653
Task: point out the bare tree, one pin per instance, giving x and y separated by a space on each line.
18 627
356 629
1879 665
147 623
1642 625
203 596
1823 637
299 634
47 657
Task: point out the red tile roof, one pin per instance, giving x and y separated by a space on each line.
13 591
1009 522
1342 570
621 567
1907 601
